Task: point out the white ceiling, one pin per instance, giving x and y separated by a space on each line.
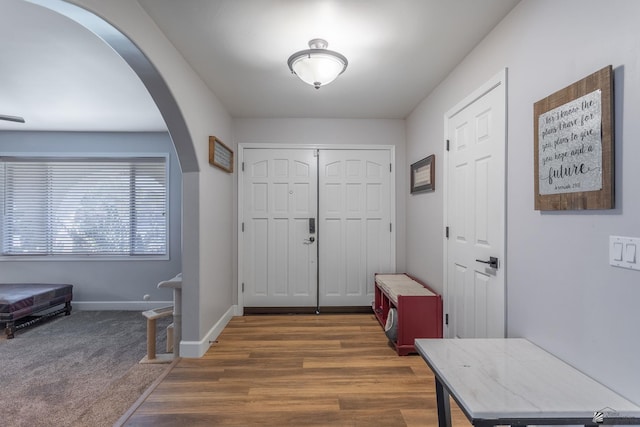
58 76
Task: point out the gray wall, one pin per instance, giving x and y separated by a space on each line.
561 292
102 284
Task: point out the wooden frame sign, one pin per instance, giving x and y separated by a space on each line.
423 175
573 146
220 155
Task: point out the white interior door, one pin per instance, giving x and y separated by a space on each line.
279 252
356 238
475 213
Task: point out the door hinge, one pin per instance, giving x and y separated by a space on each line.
446 232
243 227
316 153
242 166
447 145
390 228
390 167
243 287
446 317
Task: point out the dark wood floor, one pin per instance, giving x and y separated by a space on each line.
297 370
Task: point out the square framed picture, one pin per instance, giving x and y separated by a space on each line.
423 174
573 146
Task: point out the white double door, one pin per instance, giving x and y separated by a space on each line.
316 226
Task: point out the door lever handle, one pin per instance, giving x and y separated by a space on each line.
493 262
309 241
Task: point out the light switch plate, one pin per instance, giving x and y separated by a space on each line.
623 252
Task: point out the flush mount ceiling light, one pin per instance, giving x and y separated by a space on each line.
317 65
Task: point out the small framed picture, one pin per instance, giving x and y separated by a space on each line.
423 175
220 155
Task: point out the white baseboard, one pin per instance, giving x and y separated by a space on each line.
197 349
193 349
239 310
118 305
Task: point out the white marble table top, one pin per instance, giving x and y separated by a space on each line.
513 378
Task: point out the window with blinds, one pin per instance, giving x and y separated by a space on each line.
83 206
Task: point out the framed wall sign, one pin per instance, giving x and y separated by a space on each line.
220 155
573 146
423 175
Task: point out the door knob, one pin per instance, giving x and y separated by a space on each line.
493 262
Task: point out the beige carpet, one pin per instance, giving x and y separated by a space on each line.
78 370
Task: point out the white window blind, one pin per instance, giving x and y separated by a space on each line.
88 206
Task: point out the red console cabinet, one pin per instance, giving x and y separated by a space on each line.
418 308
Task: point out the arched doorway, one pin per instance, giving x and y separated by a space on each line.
177 129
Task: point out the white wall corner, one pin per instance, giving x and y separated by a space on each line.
196 349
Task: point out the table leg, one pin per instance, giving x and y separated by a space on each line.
444 408
10 329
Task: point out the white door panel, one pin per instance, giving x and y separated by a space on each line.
475 174
354 224
280 195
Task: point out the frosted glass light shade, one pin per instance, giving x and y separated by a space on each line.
317 66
